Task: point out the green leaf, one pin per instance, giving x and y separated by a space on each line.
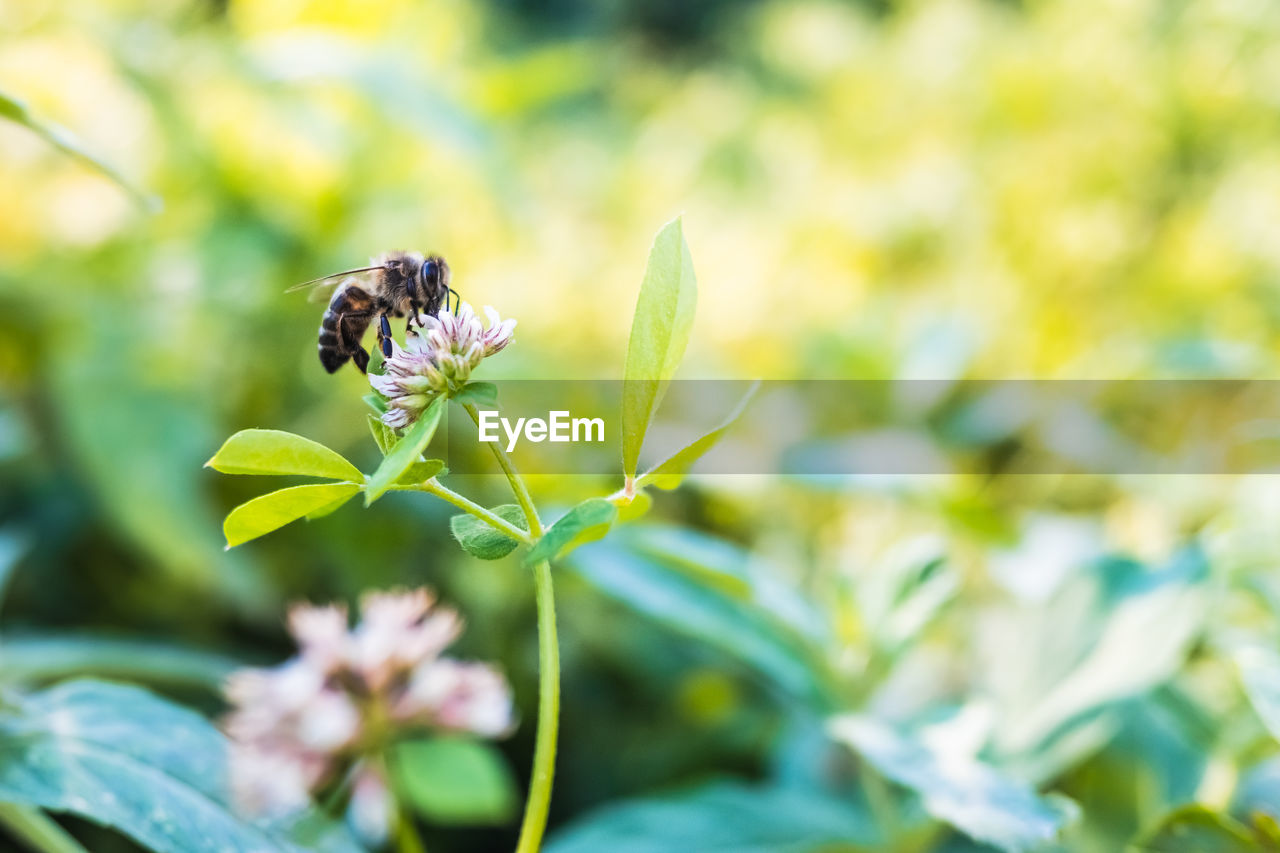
659 334
452 780
124 758
478 539
418 472
972 796
276 509
1260 673
1195 829
483 395
384 435
16 110
586 522
723 817
733 571
671 472
28 659
1143 641
687 605
407 451
376 402
269 451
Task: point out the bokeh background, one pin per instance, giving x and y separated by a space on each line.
939 189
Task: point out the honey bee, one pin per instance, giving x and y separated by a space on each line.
400 283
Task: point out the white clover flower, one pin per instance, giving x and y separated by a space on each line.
348 695
437 359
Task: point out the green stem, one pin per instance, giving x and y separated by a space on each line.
518 487
544 753
538 803
433 487
407 838
37 830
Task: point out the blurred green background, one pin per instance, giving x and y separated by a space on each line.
941 189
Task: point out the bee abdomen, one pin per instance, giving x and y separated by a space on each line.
342 327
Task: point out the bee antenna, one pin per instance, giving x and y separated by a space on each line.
334 275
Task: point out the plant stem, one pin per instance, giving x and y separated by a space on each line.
37 830
407 838
538 803
433 487
544 753
518 487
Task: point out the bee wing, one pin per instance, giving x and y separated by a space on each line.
321 287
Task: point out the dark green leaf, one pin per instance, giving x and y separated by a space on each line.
483 395
276 509
407 451
126 759
586 522
723 817
35 658
674 598
659 334
480 540
454 780
269 451
971 796
1195 829
16 110
733 570
670 473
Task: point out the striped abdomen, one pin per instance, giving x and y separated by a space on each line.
345 320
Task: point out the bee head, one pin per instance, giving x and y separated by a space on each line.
433 278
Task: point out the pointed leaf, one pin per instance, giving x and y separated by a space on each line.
407 451
586 522
418 472
276 509
480 540
669 474
270 451
454 780
376 402
659 334
16 110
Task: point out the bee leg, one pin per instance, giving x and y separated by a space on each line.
457 300
351 327
384 336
